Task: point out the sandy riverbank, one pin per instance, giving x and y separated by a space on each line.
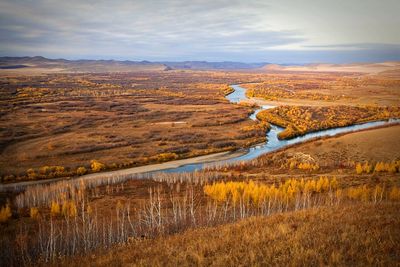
135 170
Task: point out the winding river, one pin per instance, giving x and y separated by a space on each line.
186 165
273 143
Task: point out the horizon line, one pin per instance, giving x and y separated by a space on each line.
205 61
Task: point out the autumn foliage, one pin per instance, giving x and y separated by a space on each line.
299 120
367 167
97 166
5 213
255 193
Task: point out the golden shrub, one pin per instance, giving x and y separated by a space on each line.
34 212
96 166
54 209
81 170
167 156
5 213
394 194
69 209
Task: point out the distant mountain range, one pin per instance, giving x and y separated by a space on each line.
42 64
377 67
225 65
39 62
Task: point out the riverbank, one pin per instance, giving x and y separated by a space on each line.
217 157
135 170
191 164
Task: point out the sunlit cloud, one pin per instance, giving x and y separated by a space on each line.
250 31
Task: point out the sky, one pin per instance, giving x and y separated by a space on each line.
276 31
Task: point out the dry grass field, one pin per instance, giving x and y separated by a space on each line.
56 122
299 120
199 133
376 88
178 218
336 156
329 201
118 119
356 235
374 145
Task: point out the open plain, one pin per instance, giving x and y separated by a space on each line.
93 138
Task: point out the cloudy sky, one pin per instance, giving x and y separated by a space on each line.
278 31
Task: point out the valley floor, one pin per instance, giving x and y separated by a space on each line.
331 201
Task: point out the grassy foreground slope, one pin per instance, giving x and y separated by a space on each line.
346 235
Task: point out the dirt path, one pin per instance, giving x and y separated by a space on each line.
134 170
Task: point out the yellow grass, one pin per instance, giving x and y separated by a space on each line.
353 235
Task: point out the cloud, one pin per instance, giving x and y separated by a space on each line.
157 30
357 46
134 28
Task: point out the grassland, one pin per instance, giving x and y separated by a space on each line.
328 88
145 213
299 120
329 201
336 156
56 122
381 144
312 101
121 120
325 236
